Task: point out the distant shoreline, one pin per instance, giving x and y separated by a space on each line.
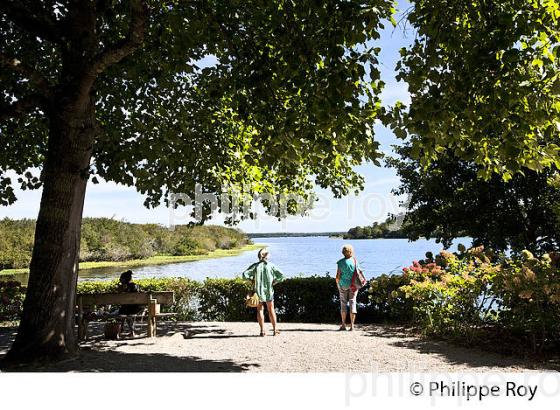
153 260
293 234
332 235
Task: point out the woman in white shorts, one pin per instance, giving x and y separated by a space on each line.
344 272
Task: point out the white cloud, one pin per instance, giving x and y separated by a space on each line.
395 91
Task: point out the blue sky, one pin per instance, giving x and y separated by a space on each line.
373 204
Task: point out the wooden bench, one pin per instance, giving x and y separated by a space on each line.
152 300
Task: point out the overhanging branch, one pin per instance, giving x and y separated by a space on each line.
136 32
20 107
30 73
33 19
115 53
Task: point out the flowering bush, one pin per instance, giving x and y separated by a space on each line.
387 299
476 292
529 289
452 294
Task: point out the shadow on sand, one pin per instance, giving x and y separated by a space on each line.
96 355
454 354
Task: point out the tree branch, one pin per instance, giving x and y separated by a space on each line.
30 73
33 19
136 32
22 106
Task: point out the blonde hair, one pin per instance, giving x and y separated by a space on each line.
347 249
263 254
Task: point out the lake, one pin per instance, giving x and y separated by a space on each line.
310 255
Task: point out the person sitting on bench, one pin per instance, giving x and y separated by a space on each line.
127 286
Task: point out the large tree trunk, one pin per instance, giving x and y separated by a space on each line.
47 324
46 330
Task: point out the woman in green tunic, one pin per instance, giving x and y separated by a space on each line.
264 275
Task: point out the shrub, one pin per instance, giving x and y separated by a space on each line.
529 289
477 294
453 296
12 294
186 293
223 300
309 300
388 301
16 243
301 299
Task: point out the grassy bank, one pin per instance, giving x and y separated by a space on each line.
153 260
108 243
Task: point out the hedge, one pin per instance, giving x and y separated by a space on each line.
308 300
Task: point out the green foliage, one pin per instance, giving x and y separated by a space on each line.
16 242
105 239
387 300
484 83
306 299
311 299
478 296
209 86
387 229
529 288
447 200
453 296
11 300
186 292
223 300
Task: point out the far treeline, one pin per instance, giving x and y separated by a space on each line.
387 229
292 234
105 239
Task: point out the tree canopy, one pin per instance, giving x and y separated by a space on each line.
484 83
390 228
266 94
447 200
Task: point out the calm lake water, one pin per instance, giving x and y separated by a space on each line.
315 255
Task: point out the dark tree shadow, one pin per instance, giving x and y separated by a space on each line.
114 361
96 355
307 330
7 336
453 354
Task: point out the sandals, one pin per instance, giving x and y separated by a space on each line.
262 334
342 328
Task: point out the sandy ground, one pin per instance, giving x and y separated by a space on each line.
236 347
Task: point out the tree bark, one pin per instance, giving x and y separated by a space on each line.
46 331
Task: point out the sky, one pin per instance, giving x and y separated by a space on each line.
374 203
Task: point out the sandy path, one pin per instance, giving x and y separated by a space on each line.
213 346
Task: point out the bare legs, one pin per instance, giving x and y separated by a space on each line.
347 296
260 317
343 317
271 315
